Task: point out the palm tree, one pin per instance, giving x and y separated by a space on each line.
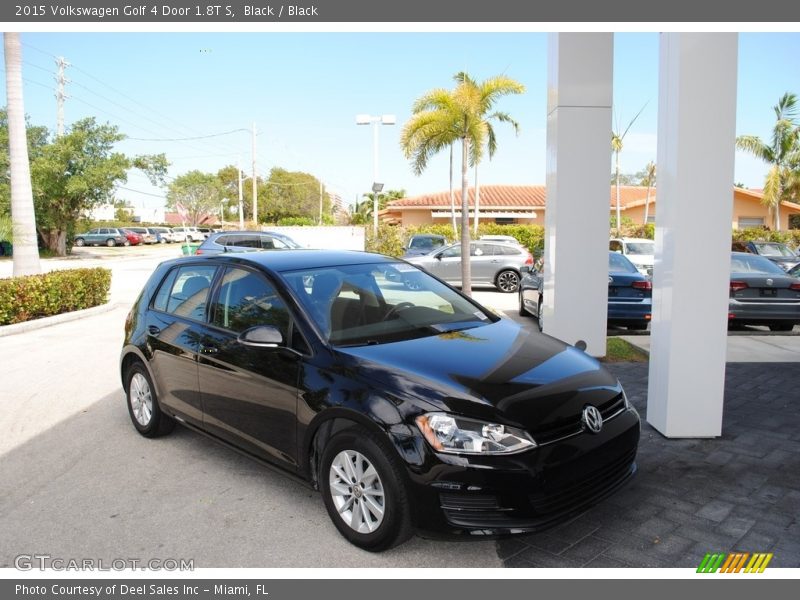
617 139
489 91
649 180
783 154
26 250
442 118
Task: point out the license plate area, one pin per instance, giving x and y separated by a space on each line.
769 293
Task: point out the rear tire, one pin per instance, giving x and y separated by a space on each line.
143 407
364 490
539 318
781 326
507 281
110 243
637 326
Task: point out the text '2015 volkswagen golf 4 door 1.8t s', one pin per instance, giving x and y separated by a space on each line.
409 409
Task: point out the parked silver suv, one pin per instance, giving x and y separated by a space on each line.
495 263
246 241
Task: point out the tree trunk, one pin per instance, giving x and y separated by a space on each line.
647 205
452 197
26 250
778 215
55 240
477 202
619 218
466 274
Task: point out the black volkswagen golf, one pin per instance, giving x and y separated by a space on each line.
408 409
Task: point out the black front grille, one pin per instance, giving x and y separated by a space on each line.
556 501
574 426
563 495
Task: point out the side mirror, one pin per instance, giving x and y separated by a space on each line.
261 336
438 256
404 249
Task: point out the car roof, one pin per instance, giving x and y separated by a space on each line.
291 260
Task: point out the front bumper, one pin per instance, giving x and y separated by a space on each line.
531 491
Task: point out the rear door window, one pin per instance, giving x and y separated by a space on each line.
184 292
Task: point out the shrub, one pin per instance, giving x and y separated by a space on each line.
36 296
293 221
389 240
760 234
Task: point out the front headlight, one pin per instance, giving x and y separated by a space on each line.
459 435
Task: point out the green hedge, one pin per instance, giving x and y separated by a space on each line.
35 296
759 234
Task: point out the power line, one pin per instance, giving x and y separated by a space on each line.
187 139
122 187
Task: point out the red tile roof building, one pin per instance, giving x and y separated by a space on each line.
527 204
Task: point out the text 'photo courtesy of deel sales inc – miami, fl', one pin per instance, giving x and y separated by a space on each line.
153 589
165 10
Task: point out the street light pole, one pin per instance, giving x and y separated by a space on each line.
376 120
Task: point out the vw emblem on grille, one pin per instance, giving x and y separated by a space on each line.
610 280
592 419
770 282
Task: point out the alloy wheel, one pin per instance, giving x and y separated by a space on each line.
508 281
357 491
141 399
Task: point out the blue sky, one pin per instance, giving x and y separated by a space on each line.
303 91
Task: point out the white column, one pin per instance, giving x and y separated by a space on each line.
696 134
579 87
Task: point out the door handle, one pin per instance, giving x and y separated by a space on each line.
153 330
208 349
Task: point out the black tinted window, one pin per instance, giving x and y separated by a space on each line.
245 241
245 300
189 292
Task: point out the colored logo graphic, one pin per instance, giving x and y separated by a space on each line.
735 562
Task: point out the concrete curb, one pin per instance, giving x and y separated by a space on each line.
56 319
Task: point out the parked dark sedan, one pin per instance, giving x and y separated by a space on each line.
629 293
407 409
762 294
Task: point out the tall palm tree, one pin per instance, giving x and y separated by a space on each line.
26 251
783 154
442 118
617 140
489 91
649 180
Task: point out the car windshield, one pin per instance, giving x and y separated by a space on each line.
640 248
776 250
425 243
355 305
752 263
619 264
286 240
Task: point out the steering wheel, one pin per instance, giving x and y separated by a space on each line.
397 308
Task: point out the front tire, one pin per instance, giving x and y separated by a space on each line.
110 243
80 242
522 311
364 490
507 281
781 326
143 408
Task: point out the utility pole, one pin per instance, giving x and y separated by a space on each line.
61 95
241 203
320 202
255 179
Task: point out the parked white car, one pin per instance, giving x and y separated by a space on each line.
187 234
640 251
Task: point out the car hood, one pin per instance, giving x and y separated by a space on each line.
501 372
